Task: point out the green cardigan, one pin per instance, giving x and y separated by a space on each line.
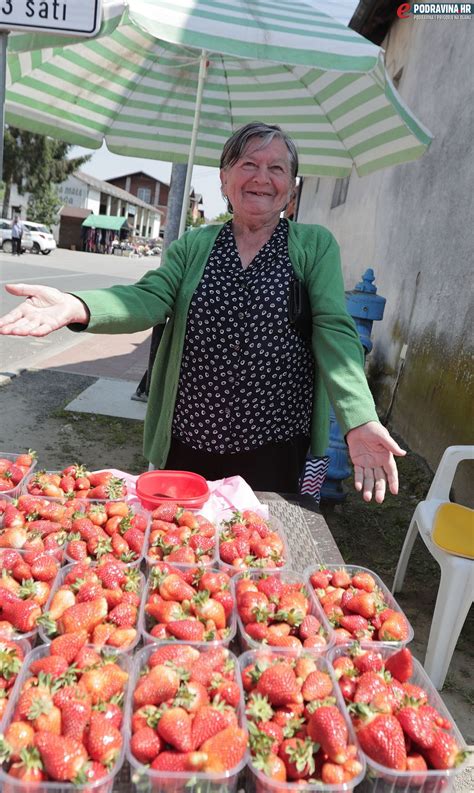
166 293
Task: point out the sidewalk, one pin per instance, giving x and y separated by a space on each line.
118 361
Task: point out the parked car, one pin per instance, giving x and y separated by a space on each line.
43 240
6 237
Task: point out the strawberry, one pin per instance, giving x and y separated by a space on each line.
83 616
444 753
174 727
417 724
104 741
29 768
363 581
318 685
416 763
341 579
208 721
145 744
297 756
178 762
400 665
181 655
173 587
18 735
381 738
364 604
367 660
23 614
279 684
186 630
230 550
224 750
394 629
327 727
105 682
75 715
228 691
53 665
159 685
368 685
124 615
63 758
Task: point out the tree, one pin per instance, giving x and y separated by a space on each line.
44 207
33 162
193 223
223 217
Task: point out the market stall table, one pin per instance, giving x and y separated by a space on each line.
310 542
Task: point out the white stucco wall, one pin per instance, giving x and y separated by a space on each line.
414 225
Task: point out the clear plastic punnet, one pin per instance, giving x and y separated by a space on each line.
24 648
257 781
20 487
247 642
28 484
276 526
147 780
47 638
379 778
9 784
146 623
107 547
152 558
352 570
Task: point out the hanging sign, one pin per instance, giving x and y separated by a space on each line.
72 17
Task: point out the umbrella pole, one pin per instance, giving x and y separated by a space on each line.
194 134
3 80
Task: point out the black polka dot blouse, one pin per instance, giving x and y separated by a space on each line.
246 374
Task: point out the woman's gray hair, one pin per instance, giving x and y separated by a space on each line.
236 144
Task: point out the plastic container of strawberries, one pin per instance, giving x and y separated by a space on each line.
148 638
287 576
257 781
276 526
29 477
213 561
31 637
104 785
19 488
137 510
388 597
379 778
145 779
25 648
59 582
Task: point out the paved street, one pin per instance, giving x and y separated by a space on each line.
121 356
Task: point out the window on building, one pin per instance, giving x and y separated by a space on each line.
340 192
144 194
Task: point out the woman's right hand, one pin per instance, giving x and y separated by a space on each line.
44 310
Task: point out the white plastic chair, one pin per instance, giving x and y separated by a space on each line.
456 589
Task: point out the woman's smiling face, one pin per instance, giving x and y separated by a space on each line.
260 183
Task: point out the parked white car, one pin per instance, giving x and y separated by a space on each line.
6 237
43 240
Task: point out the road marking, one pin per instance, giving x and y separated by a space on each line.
43 278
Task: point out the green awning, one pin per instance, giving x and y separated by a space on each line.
113 222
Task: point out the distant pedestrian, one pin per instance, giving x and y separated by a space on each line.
17 234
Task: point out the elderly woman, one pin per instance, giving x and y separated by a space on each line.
237 388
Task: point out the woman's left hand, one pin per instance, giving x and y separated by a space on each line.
371 449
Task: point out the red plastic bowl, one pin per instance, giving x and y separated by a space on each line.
158 487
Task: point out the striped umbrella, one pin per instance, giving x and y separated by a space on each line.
166 76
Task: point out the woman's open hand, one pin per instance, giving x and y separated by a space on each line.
372 449
44 310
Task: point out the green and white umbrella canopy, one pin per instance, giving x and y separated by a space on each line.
283 62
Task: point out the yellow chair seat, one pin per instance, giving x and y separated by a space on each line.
453 529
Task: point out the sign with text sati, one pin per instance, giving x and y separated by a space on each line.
72 17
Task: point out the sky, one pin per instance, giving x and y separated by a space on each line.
105 165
